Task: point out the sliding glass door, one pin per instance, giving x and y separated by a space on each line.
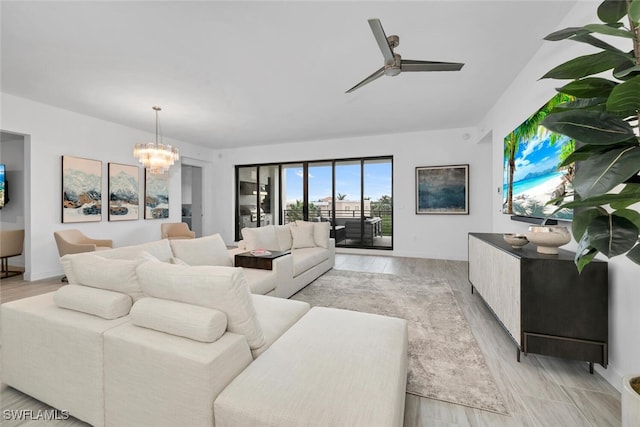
293 192
354 195
320 190
378 214
269 195
257 196
348 203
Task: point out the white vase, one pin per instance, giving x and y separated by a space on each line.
630 400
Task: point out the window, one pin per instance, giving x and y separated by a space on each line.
354 195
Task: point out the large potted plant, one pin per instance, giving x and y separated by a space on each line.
604 121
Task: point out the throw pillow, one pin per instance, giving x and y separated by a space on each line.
321 234
209 250
303 235
147 256
222 288
159 249
117 275
283 234
178 261
260 238
176 318
98 302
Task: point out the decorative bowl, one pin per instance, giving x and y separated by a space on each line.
516 240
548 238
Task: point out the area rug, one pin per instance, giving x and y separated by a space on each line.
445 362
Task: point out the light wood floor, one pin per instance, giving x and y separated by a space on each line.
538 391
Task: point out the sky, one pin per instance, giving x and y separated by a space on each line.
377 181
537 154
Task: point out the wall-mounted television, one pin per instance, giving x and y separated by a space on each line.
532 176
4 193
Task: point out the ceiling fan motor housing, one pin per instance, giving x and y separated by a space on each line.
394 68
393 41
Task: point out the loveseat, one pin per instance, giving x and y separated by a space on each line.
135 341
312 254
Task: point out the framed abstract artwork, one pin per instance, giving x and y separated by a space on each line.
442 190
124 192
156 195
81 190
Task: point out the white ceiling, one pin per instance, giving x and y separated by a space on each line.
247 73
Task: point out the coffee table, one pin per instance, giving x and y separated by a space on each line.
263 262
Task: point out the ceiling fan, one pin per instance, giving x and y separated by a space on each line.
394 64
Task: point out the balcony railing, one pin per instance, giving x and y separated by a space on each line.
320 215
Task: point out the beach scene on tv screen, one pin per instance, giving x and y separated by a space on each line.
532 175
1 186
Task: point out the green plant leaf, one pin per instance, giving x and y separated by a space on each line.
634 254
582 103
612 235
609 30
589 87
627 189
625 71
602 200
585 253
625 98
629 214
565 33
583 153
589 127
611 11
587 65
582 218
603 171
634 11
596 42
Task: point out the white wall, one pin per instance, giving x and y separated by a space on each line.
53 132
425 236
525 95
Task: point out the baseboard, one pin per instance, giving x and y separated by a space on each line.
357 251
423 255
30 277
611 375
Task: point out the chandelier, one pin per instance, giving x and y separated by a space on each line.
156 157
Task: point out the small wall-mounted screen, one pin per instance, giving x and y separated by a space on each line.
3 186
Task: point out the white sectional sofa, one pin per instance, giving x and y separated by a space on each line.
312 254
128 336
142 338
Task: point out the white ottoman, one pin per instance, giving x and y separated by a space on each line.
332 368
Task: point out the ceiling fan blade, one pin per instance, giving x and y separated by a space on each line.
411 65
381 38
369 79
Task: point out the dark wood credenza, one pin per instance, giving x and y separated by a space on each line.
542 301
